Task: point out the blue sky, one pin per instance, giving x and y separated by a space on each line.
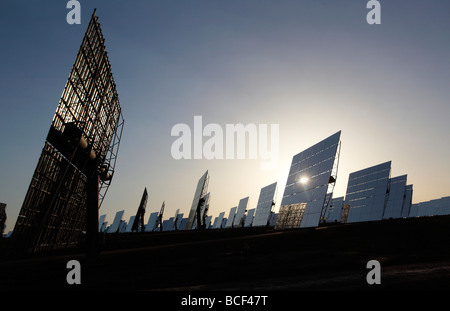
313 67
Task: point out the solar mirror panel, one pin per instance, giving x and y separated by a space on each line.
218 221
406 208
445 205
273 219
200 191
249 217
240 212
366 193
334 211
138 221
130 223
265 203
167 224
183 224
208 222
116 223
152 222
309 179
102 228
397 194
230 219
177 223
101 220
84 137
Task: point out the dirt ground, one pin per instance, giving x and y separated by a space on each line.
414 254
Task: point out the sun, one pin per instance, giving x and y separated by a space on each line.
304 180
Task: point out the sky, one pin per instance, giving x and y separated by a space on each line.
312 67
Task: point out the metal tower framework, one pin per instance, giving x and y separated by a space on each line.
160 216
290 216
138 224
79 156
331 184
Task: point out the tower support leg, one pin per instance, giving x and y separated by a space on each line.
92 236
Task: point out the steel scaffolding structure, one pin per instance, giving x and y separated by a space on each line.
331 184
138 224
290 216
79 156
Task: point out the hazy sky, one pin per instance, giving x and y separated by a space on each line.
313 67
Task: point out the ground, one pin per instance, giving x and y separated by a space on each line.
414 254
